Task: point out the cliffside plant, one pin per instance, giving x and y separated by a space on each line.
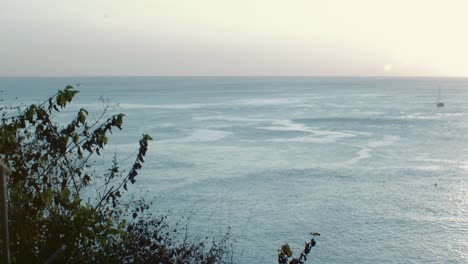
60 203
63 209
285 255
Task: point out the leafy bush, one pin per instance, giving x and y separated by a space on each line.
285 255
51 171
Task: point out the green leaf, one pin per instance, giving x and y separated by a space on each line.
113 231
285 248
66 194
119 120
103 139
41 113
102 239
31 112
82 116
122 224
77 201
47 197
61 100
65 96
69 94
147 137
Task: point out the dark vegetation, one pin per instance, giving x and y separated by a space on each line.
59 203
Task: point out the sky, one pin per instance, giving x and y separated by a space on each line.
235 37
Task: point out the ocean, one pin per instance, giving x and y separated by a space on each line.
370 163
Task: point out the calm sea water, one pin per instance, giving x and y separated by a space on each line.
370 163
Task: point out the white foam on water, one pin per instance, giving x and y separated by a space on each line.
371 95
327 133
454 114
161 125
357 132
444 161
218 126
431 116
428 168
204 135
268 101
333 105
464 167
364 153
384 142
316 135
366 150
311 139
441 163
371 113
286 125
247 102
128 106
231 119
420 116
250 102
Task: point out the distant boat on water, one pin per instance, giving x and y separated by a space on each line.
438 102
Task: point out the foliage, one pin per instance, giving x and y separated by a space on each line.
285 255
51 177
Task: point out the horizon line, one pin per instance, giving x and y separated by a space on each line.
239 76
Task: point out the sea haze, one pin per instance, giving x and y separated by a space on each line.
370 163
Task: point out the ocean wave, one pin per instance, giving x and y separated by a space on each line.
231 119
464 167
365 151
384 142
357 132
164 106
455 114
288 125
440 163
370 113
431 116
203 135
246 102
445 161
371 95
218 126
428 168
268 101
316 135
368 119
312 139
131 106
420 116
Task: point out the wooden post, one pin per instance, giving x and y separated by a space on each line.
4 216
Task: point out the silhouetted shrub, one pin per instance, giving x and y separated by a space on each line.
51 173
53 212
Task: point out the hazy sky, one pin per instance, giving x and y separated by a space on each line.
236 37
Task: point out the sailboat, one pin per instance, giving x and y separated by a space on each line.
438 102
